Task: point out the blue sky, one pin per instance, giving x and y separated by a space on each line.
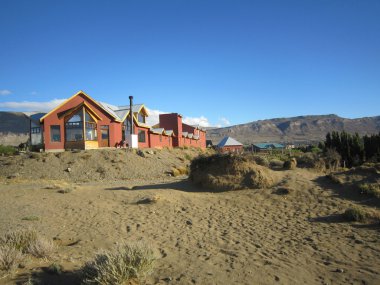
223 62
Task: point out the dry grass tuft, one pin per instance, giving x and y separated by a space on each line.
229 172
149 200
10 258
28 242
334 178
125 263
41 248
372 189
357 214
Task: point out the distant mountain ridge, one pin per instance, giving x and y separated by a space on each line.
301 129
14 128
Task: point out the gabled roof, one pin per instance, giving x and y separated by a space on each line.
228 141
184 134
158 131
88 97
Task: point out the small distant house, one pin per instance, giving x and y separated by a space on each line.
265 147
229 144
84 123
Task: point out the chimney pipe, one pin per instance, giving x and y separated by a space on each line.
131 112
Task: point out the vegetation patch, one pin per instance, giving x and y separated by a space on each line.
230 172
290 164
372 189
123 264
7 150
30 218
356 214
10 258
334 178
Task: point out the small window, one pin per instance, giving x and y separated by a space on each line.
141 136
36 130
141 118
55 133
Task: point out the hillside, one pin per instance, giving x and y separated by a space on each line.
295 129
14 128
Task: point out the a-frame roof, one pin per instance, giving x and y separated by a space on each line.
228 141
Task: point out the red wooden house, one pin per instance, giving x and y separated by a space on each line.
84 123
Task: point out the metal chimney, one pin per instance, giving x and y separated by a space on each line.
131 112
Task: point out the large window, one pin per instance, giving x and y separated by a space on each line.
141 135
74 127
55 133
91 132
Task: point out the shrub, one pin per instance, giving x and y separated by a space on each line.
20 240
65 190
7 150
290 164
355 214
188 156
41 248
335 178
276 164
29 242
229 172
54 269
10 257
370 189
260 160
124 263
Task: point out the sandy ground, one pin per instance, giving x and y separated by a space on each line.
239 237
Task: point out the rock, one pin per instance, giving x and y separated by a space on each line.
189 223
12 176
140 153
277 278
151 152
168 279
339 270
68 169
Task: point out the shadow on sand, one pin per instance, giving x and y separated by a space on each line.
43 277
347 192
179 185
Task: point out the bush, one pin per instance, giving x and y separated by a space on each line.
10 257
355 214
41 248
7 150
28 242
370 189
276 164
290 164
54 269
223 172
335 179
260 160
124 263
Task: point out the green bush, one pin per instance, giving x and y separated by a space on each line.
7 150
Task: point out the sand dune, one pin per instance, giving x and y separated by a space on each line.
239 237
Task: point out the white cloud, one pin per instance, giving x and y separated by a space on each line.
32 106
153 117
33 93
193 121
197 121
5 92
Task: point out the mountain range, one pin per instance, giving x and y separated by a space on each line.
298 130
14 127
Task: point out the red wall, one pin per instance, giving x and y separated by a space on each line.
172 122
52 119
155 142
147 137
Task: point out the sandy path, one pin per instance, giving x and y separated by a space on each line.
242 237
